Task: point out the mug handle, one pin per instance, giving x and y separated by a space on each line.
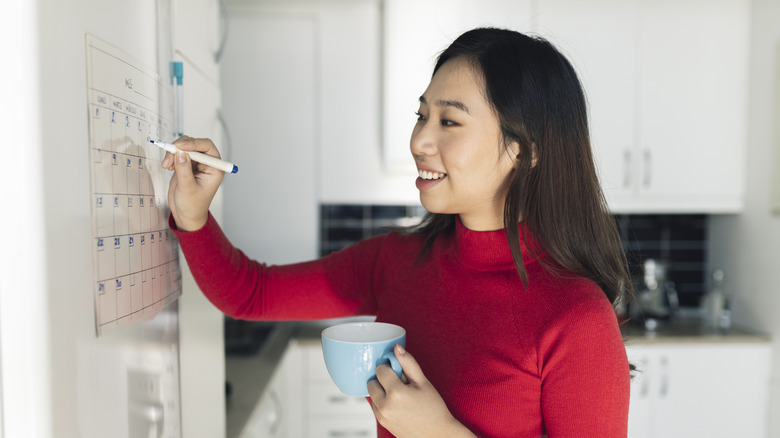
389 356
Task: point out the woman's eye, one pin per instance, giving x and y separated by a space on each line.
445 122
419 116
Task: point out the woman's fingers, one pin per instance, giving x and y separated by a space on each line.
193 185
186 143
203 145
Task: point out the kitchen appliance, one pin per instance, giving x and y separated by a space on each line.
656 296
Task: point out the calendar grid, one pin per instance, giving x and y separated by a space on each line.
135 256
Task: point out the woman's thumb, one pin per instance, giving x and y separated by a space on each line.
183 165
409 364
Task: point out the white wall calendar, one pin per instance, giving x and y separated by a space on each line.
135 256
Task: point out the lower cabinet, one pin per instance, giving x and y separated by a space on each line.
328 412
685 388
706 389
301 401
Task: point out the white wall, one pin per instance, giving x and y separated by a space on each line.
747 246
19 262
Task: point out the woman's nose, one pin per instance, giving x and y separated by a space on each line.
422 141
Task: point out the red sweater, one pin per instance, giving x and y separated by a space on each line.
509 360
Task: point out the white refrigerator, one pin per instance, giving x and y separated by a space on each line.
75 359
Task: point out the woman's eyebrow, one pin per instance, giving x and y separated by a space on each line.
453 103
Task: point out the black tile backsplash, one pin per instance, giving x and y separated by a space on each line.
679 240
342 225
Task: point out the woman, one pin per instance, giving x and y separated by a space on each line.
506 290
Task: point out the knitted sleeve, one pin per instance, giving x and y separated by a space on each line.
335 286
585 374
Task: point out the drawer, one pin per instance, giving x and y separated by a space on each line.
347 428
326 398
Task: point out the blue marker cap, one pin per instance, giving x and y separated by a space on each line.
177 72
235 169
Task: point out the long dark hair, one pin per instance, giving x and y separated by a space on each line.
540 105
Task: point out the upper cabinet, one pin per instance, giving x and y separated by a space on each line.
201 34
666 83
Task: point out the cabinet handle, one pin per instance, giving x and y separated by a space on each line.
664 376
348 433
626 168
648 177
645 379
279 413
223 24
343 399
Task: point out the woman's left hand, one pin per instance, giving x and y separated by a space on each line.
413 408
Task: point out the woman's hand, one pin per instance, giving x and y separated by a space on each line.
411 408
193 185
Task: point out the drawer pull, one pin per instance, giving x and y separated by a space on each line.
348 433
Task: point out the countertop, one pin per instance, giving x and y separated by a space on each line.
689 330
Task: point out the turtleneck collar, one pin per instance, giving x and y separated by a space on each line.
490 249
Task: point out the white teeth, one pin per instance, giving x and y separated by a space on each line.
424 174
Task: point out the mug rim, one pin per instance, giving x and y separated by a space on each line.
363 323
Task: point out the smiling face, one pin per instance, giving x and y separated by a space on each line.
459 151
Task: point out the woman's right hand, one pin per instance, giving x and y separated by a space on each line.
193 185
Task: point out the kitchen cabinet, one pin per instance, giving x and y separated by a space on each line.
667 87
666 83
329 412
201 34
306 401
712 389
269 82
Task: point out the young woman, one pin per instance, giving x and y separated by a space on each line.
506 289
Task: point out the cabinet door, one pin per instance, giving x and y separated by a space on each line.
199 33
713 390
666 84
270 101
599 38
699 389
692 112
640 405
415 32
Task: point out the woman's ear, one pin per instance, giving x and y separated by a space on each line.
534 155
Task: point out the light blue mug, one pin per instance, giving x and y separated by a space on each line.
353 350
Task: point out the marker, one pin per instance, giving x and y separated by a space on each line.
199 157
178 75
